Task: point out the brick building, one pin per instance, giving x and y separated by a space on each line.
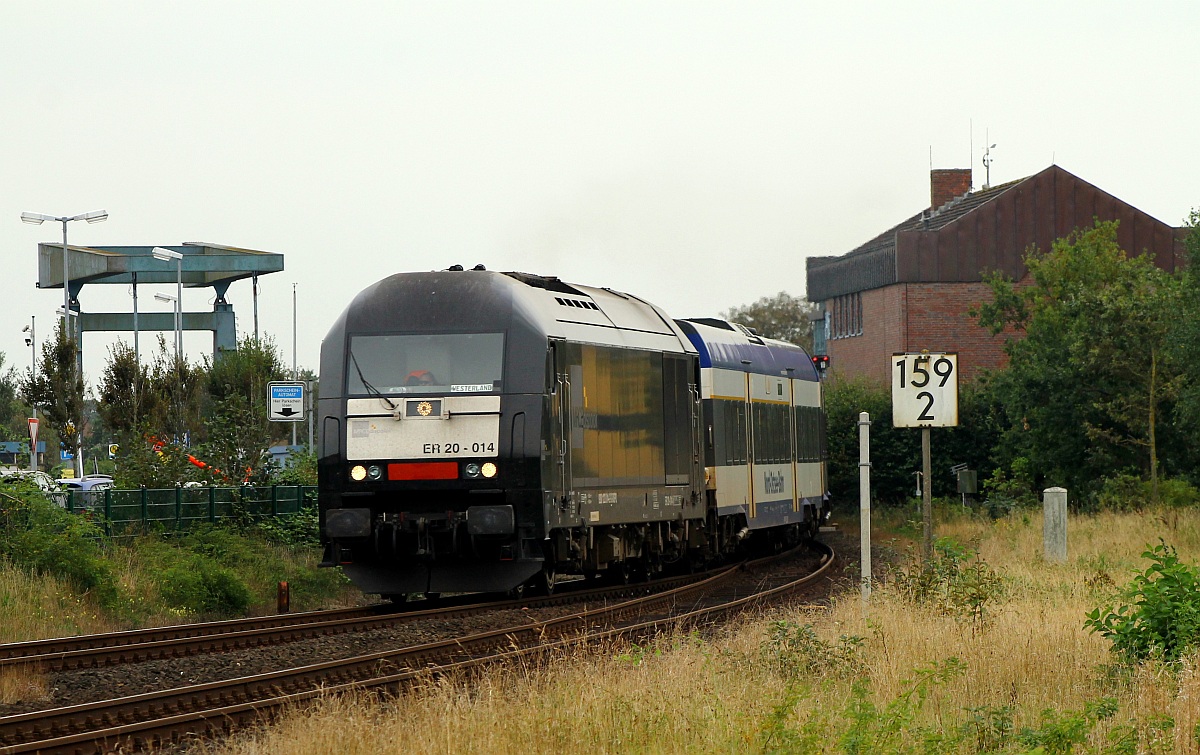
910 287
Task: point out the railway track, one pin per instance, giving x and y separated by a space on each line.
171 716
135 646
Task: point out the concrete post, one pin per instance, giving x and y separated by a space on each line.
1054 524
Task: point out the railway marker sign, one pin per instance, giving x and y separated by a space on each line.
285 401
925 390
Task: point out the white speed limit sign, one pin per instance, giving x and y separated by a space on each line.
925 390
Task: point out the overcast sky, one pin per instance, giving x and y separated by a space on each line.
692 153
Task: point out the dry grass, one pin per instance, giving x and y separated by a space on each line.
38 606
680 699
23 683
723 693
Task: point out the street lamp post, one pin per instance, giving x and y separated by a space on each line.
178 365
166 255
37 218
175 311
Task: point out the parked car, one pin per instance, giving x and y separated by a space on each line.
88 482
39 480
43 481
91 489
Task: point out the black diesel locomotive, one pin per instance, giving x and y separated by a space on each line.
484 431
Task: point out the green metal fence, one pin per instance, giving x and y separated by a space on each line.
133 511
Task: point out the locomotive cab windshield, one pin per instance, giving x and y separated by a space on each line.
381 365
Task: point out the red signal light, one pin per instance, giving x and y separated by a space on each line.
821 362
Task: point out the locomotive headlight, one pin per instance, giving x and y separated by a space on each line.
374 472
488 469
471 470
358 473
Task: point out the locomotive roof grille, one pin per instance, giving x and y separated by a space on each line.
576 303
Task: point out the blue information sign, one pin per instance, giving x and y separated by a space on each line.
285 402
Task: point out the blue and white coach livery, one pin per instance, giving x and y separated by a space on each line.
765 426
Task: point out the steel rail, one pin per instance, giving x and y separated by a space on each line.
24 650
135 646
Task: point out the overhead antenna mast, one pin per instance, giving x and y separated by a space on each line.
987 162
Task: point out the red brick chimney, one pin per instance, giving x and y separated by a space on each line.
946 184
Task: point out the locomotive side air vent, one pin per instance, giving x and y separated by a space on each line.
576 303
547 284
711 322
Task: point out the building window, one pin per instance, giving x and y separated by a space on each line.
847 316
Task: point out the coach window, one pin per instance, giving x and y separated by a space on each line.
729 431
772 444
808 433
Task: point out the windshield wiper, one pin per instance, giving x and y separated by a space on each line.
370 388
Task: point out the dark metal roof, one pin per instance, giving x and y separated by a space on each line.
722 346
987 230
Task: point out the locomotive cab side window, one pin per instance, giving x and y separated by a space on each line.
425 363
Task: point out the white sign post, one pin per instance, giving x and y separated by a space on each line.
285 401
925 395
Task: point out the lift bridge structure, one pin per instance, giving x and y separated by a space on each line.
203 265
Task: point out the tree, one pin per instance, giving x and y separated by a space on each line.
127 398
153 413
782 316
1187 326
1089 386
238 431
57 390
13 412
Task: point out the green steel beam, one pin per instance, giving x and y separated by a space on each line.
203 265
221 323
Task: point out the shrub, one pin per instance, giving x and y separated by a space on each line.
797 651
301 470
1059 733
1161 617
253 558
1123 492
1007 491
954 581
36 534
1127 492
1176 493
299 529
200 586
